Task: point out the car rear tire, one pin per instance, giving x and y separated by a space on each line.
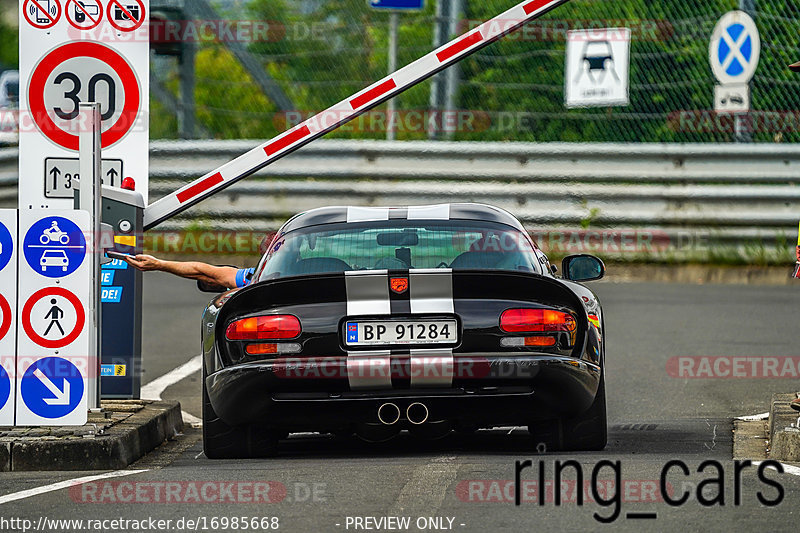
586 432
222 441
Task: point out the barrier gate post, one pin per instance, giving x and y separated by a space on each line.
121 298
89 200
117 356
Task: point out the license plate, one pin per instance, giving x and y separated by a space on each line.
401 332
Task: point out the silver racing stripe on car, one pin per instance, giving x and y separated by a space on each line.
377 214
429 212
367 292
367 214
431 291
368 295
432 368
369 370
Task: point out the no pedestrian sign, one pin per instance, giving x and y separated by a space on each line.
53 318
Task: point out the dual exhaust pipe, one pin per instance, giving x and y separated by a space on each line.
416 413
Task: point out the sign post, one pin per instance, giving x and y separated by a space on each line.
72 52
53 363
734 53
90 197
394 7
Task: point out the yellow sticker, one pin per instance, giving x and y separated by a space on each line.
125 240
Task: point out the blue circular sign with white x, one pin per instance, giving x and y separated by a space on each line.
52 387
735 48
55 247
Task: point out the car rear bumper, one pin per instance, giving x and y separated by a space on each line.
316 394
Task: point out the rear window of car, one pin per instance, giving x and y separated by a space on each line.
399 245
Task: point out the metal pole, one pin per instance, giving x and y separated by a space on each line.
90 161
742 134
453 72
437 81
186 116
394 20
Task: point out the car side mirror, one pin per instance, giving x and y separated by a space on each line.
583 267
204 286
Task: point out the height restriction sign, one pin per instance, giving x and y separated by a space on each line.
93 52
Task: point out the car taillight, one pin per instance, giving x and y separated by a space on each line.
261 349
536 321
272 349
540 341
259 328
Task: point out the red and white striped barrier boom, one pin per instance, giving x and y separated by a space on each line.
343 112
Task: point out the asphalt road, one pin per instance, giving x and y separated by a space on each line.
465 483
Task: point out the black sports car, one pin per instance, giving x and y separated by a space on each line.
431 319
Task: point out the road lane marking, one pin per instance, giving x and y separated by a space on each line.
21 495
427 488
787 469
154 389
753 418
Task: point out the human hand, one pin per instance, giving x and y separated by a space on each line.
144 262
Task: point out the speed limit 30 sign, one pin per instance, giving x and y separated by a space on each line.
66 64
57 85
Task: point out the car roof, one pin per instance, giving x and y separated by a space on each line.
345 214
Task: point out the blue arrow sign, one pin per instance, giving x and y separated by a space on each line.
5 387
55 247
6 246
397 5
52 387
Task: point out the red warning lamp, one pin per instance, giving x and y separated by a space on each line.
128 184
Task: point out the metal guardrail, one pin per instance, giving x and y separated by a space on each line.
730 194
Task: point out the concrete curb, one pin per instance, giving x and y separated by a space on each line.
750 439
784 441
120 445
